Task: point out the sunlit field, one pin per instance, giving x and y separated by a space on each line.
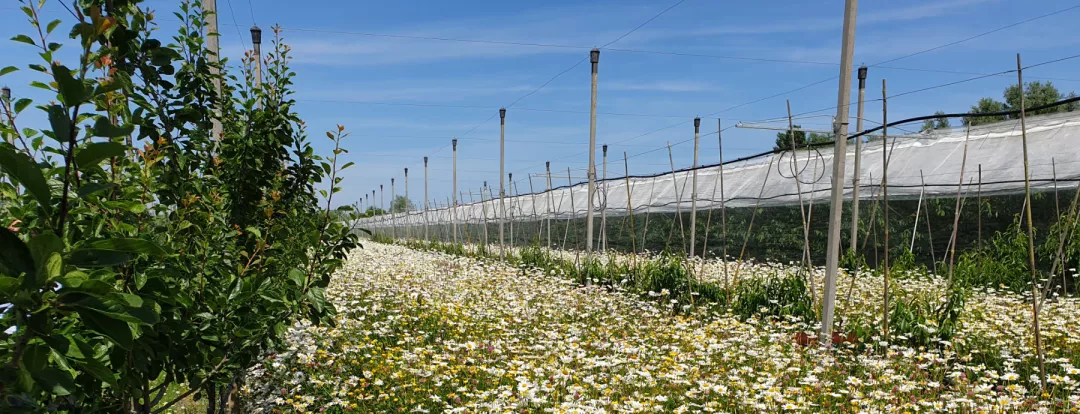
421 331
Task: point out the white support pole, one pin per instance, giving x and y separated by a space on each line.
693 189
603 205
427 220
836 206
1030 229
408 228
211 34
256 43
536 219
454 193
855 175
393 215
594 57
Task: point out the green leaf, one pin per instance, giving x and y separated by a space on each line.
89 189
116 330
94 153
57 381
97 258
24 39
21 104
347 165
8 287
15 257
97 369
104 128
35 357
60 123
44 245
72 90
8 70
23 169
134 301
52 26
128 246
297 277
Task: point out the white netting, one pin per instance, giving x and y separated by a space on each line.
938 156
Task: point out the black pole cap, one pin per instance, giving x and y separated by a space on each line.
697 123
256 35
406 172
454 141
7 92
594 56
862 72
380 186
511 176
547 165
502 113
425 160
605 149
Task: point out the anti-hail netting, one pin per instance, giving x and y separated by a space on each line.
927 162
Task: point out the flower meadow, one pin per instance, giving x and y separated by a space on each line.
421 331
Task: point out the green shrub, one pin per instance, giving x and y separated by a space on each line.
777 295
154 254
923 319
1002 263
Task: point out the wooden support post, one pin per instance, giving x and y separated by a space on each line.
573 209
551 203
511 217
648 209
798 190
603 205
483 209
885 195
427 221
630 209
1030 228
536 218
678 201
393 215
502 173
956 216
693 189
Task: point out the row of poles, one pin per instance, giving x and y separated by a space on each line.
840 128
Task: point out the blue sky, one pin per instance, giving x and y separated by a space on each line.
341 75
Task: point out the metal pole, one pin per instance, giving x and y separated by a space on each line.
723 206
857 172
978 212
453 211
408 229
382 200
629 207
211 34
536 218
798 190
603 205
915 228
256 42
836 209
551 201
1030 228
502 173
885 196
594 56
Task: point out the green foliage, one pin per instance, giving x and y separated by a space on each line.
783 139
932 124
777 295
923 319
400 205
1036 93
151 254
1003 263
905 264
